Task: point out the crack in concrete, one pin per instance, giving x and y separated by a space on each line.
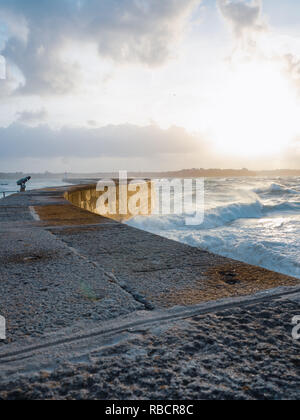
138 298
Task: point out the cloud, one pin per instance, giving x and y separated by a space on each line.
247 23
21 141
244 17
32 117
293 69
15 23
292 153
117 147
126 31
11 78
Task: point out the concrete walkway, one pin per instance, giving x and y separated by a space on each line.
75 287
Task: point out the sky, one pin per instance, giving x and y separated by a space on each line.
107 85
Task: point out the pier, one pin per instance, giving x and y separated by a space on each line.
97 309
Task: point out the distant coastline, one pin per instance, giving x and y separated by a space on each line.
183 173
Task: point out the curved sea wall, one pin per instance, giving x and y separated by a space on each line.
115 200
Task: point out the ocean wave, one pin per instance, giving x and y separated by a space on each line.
284 206
213 218
277 189
251 247
223 215
255 221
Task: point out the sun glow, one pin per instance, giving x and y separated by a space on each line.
256 111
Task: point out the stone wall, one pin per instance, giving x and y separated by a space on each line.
88 197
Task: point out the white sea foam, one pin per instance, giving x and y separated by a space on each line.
252 220
276 189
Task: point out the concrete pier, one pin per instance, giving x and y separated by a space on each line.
71 276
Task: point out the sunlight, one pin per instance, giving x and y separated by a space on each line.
256 112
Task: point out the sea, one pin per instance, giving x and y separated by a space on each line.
254 220
10 186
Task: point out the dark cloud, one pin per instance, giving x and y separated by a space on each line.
243 16
113 145
32 117
20 141
134 31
